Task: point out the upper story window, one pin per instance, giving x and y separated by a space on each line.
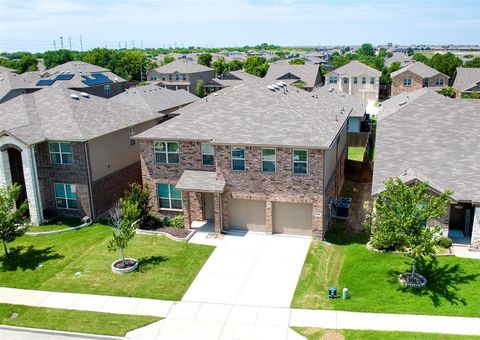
269 160
164 77
153 76
170 77
364 80
65 196
439 81
131 133
107 89
407 81
168 197
238 158
332 79
300 162
208 157
425 82
166 153
355 80
177 76
372 80
345 80
60 153
184 76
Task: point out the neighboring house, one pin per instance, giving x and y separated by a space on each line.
12 85
238 77
357 79
84 77
252 157
467 80
415 76
309 74
183 75
152 98
427 137
72 153
402 58
4 69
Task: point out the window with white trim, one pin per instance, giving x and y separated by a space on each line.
65 196
168 197
131 133
439 81
238 158
407 81
166 153
300 162
208 154
269 160
355 80
372 80
345 80
60 152
332 79
107 89
153 76
364 80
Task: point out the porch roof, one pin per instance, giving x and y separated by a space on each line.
200 181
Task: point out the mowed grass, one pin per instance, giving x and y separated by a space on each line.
166 270
371 278
72 320
348 334
355 153
57 224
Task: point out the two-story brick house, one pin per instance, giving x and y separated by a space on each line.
415 76
251 157
183 75
72 153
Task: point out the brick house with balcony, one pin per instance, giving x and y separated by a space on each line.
415 76
252 157
72 153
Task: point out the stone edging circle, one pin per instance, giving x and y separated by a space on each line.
419 285
124 270
174 238
53 232
371 248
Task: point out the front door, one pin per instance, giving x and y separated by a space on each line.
208 206
461 217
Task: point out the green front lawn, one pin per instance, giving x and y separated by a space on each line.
72 320
348 334
371 278
57 224
355 153
167 268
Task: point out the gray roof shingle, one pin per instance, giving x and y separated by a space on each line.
356 69
466 78
356 106
181 66
307 73
419 69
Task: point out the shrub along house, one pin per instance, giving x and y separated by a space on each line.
72 153
424 136
251 157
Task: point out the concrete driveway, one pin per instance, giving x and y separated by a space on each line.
251 270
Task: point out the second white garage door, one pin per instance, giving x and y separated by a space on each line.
247 214
292 218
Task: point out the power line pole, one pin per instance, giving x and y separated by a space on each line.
119 46
81 44
61 43
70 43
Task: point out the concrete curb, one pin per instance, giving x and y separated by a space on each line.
62 333
53 232
154 232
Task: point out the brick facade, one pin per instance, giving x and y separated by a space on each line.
417 82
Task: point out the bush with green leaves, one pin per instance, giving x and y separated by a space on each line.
444 242
177 221
141 196
12 216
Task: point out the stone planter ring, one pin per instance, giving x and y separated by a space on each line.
117 266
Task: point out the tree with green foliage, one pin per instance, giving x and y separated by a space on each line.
420 57
446 63
205 59
55 58
12 215
220 66
235 65
122 219
167 60
400 219
366 50
385 78
448 92
339 61
256 65
140 195
471 95
297 62
410 51
200 88
475 62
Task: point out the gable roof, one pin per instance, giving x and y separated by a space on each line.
355 69
252 114
307 73
435 136
52 114
402 58
154 98
181 66
10 81
354 105
7 69
419 69
466 78
238 77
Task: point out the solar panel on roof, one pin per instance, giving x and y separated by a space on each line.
45 82
64 76
98 78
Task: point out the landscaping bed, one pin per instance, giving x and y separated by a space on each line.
56 224
175 232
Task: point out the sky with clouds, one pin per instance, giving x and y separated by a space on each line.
34 24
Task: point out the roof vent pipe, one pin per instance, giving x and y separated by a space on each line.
74 96
84 94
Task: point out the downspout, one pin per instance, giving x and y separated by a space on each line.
31 151
89 179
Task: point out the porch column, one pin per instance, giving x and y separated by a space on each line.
476 225
340 84
349 85
186 209
5 174
217 211
31 186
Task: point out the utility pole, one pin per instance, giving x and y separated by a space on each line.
61 43
81 44
54 45
70 43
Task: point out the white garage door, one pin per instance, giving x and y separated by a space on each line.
292 218
247 214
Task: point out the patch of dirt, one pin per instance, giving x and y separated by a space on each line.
361 203
124 265
332 335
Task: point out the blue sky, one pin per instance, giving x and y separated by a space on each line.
34 24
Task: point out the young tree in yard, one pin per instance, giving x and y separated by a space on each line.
200 89
205 59
399 220
11 216
167 60
140 195
122 220
220 66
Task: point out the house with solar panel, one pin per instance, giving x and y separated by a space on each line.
84 77
72 152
